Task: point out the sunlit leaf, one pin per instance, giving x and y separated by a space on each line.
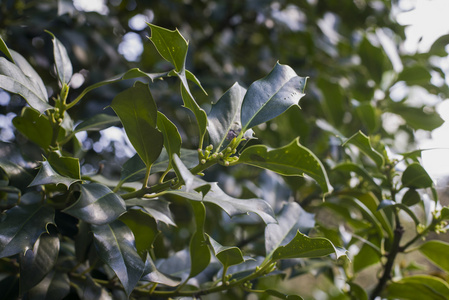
65 165
22 226
437 252
272 95
62 61
291 160
152 274
115 246
157 208
97 205
363 142
55 286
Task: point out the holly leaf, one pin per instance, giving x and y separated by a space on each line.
172 138
47 175
362 142
62 61
22 226
198 248
291 160
97 123
156 208
416 177
152 274
97 205
270 96
419 287
115 246
55 286
436 252
228 256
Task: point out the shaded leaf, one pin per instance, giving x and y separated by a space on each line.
415 176
13 80
115 246
97 123
36 263
62 61
419 287
138 113
144 229
172 138
157 208
97 205
270 96
361 141
411 197
5 50
437 251
282 295
415 75
47 175
35 126
55 286
358 169
357 292
290 160
291 219
228 256
152 274
224 116
22 226
65 165
198 248
333 103
369 116
232 206
417 118
304 246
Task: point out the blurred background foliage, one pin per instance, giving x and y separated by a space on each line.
360 75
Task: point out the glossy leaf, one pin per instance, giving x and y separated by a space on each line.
97 205
22 226
144 229
437 251
415 176
13 80
62 61
199 249
157 208
411 197
138 113
419 287
115 246
88 289
228 256
232 206
362 142
5 50
47 175
270 96
35 126
224 117
36 263
65 165
172 138
170 44
55 286
291 219
97 123
291 160
304 246
152 274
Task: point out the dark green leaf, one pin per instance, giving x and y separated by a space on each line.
357 292
374 59
411 197
369 116
47 175
55 286
88 289
358 169
172 139
291 160
304 246
282 295
152 274
115 246
22 226
37 262
13 80
199 249
272 95
291 219
417 118
415 176
65 165
62 61
439 46
138 112
35 126
97 123
157 208
10 287
232 206
437 252
362 142
224 117
144 229
419 287
333 103
170 44
97 205
415 75
228 256
367 255
5 50
17 175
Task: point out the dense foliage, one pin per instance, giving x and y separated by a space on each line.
227 194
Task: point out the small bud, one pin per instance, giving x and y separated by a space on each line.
229 149
227 163
210 147
234 151
207 153
214 156
203 161
220 154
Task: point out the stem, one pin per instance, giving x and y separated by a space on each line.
395 249
147 175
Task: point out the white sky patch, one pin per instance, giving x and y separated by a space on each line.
98 6
131 47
